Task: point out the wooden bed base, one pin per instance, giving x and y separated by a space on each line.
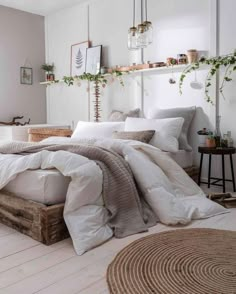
42 223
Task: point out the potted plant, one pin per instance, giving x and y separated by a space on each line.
210 140
48 68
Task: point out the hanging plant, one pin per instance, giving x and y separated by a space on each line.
228 62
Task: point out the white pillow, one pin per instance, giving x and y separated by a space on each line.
96 130
167 131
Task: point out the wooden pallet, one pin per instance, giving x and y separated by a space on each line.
42 223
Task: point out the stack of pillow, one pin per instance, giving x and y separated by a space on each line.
166 129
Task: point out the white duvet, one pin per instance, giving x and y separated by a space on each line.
171 193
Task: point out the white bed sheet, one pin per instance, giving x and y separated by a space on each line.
44 186
183 158
50 186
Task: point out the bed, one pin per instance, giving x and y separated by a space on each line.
89 175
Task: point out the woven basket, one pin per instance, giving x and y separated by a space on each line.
37 135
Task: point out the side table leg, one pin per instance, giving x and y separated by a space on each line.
232 172
209 172
200 170
223 172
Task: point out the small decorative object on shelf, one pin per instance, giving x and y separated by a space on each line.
192 55
171 61
93 60
78 58
104 70
14 122
182 59
49 69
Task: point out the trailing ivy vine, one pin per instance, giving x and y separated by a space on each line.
98 78
227 62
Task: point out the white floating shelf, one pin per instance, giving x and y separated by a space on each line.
148 71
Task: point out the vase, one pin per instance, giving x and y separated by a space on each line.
218 132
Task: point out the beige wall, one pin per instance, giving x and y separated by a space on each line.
21 39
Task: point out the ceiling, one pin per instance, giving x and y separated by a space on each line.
41 7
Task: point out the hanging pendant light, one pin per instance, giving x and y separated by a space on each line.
132 33
142 36
148 26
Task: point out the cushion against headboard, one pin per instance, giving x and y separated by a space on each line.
117 115
186 112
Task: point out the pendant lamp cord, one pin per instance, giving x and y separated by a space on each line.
146 10
134 8
141 11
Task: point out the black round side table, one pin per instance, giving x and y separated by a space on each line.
217 151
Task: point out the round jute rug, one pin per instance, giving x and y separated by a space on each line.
188 261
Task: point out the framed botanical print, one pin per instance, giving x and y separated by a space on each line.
93 60
78 58
26 75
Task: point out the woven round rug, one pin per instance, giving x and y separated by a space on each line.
188 261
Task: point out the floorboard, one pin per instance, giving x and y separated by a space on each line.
27 266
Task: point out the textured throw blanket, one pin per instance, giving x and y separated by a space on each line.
128 212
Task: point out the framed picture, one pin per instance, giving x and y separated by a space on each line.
26 75
78 58
93 60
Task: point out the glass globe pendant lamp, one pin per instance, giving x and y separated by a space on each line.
149 31
132 38
142 37
132 33
148 26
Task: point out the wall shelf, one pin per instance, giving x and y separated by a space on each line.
147 71
156 70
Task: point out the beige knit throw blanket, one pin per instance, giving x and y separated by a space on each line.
129 213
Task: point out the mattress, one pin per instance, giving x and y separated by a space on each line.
50 186
44 186
183 158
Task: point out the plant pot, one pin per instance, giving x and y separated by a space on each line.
51 77
210 142
47 76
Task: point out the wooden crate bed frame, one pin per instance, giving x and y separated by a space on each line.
42 223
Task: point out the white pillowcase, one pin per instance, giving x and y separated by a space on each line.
167 131
96 129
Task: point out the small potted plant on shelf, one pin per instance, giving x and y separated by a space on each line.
48 68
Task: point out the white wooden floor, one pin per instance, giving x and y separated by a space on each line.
27 266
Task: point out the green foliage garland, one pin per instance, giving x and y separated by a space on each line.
98 78
228 62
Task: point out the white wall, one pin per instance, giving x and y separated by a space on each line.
178 26
22 39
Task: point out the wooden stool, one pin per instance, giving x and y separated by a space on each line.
217 151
